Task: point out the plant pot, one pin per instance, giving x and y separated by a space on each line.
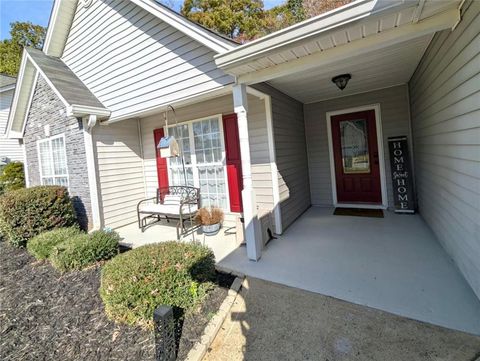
211 230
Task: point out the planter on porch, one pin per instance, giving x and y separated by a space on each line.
210 219
211 230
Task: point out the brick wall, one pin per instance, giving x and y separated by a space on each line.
46 109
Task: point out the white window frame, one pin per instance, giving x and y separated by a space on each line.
49 140
194 165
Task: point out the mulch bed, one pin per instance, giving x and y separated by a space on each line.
48 316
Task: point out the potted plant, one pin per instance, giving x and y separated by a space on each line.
210 218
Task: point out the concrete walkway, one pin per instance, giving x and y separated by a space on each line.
273 322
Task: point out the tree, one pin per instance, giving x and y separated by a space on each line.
316 7
238 19
22 34
296 10
283 15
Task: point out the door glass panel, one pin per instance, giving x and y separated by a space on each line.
354 142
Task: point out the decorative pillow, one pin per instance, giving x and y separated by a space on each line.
172 199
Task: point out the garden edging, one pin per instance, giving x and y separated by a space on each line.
200 348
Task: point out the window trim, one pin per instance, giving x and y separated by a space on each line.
49 140
194 165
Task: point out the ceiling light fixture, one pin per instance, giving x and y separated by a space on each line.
341 80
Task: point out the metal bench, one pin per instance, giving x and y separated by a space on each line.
179 203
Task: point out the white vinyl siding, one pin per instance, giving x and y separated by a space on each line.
291 154
52 160
261 171
133 62
9 148
445 106
120 171
395 122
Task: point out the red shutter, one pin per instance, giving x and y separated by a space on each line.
162 169
234 162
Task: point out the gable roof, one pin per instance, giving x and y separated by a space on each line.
63 81
63 12
207 37
77 98
72 92
7 82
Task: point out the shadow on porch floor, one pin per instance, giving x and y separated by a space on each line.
222 244
394 264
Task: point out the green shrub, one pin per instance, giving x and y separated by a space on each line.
134 283
84 249
41 246
12 177
25 213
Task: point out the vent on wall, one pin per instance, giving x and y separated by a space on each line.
266 224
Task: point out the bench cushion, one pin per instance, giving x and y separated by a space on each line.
168 209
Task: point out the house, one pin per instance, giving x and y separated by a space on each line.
265 131
10 149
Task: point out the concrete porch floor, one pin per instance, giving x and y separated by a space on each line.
394 264
222 243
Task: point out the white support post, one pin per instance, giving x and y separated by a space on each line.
88 124
252 224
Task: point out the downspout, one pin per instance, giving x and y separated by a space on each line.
89 123
140 140
25 166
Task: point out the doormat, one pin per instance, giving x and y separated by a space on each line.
359 212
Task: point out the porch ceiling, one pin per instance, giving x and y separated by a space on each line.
379 41
378 69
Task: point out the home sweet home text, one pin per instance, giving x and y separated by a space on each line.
401 175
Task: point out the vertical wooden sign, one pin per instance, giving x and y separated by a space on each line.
402 178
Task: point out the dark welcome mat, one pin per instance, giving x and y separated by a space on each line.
359 212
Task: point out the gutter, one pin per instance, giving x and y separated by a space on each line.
307 29
7 88
77 110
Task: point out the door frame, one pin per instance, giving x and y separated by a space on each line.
381 156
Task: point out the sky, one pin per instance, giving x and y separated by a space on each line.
38 12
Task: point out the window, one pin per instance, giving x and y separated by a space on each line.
53 161
202 144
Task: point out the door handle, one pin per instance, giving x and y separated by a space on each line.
375 158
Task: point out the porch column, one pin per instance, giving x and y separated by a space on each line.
252 224
88 123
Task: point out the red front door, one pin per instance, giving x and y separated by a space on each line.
355 151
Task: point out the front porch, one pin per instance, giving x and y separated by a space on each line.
292 155
222 244
394 264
